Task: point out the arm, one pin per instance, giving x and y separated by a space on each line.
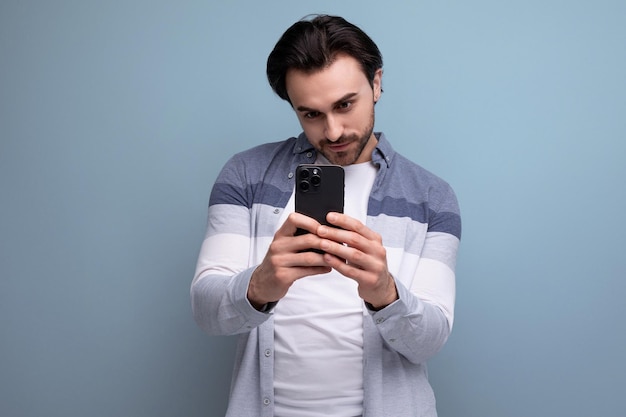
218 290
229 293
225 261
417 322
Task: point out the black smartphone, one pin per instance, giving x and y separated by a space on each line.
319 190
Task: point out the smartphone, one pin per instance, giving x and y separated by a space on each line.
319 190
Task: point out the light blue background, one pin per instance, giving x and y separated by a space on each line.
115 118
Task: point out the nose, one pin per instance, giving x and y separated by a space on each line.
334 129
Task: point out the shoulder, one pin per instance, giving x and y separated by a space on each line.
403 174
432 188
253 162
415 173
251 174
406 180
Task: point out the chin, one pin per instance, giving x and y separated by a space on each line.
342 160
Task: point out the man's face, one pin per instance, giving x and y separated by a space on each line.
335 107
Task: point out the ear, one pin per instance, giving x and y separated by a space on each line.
377 84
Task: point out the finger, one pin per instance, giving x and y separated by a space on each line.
305 258
350 239
345 268
290 251
346 259
345 222
372 259
297 221
339 250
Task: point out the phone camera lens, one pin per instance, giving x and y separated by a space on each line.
316 180
304 186
304 174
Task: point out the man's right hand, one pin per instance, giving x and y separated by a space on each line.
286 261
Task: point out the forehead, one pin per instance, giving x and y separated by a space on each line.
324 87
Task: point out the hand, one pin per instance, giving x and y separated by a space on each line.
287 261
362 258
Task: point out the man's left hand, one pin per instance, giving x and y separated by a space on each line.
357 252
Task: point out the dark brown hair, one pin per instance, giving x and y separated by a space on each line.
312 45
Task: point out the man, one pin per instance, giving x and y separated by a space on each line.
344 332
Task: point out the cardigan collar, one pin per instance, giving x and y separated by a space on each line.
382 153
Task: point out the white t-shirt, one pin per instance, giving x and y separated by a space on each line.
318 336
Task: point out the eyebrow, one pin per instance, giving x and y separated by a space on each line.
341 100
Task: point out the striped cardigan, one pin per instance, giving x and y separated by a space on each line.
417 215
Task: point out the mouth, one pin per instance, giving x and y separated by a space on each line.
339 147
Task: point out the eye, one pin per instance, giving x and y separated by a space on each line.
311 115
344 105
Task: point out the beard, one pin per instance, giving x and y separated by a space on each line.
357 141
